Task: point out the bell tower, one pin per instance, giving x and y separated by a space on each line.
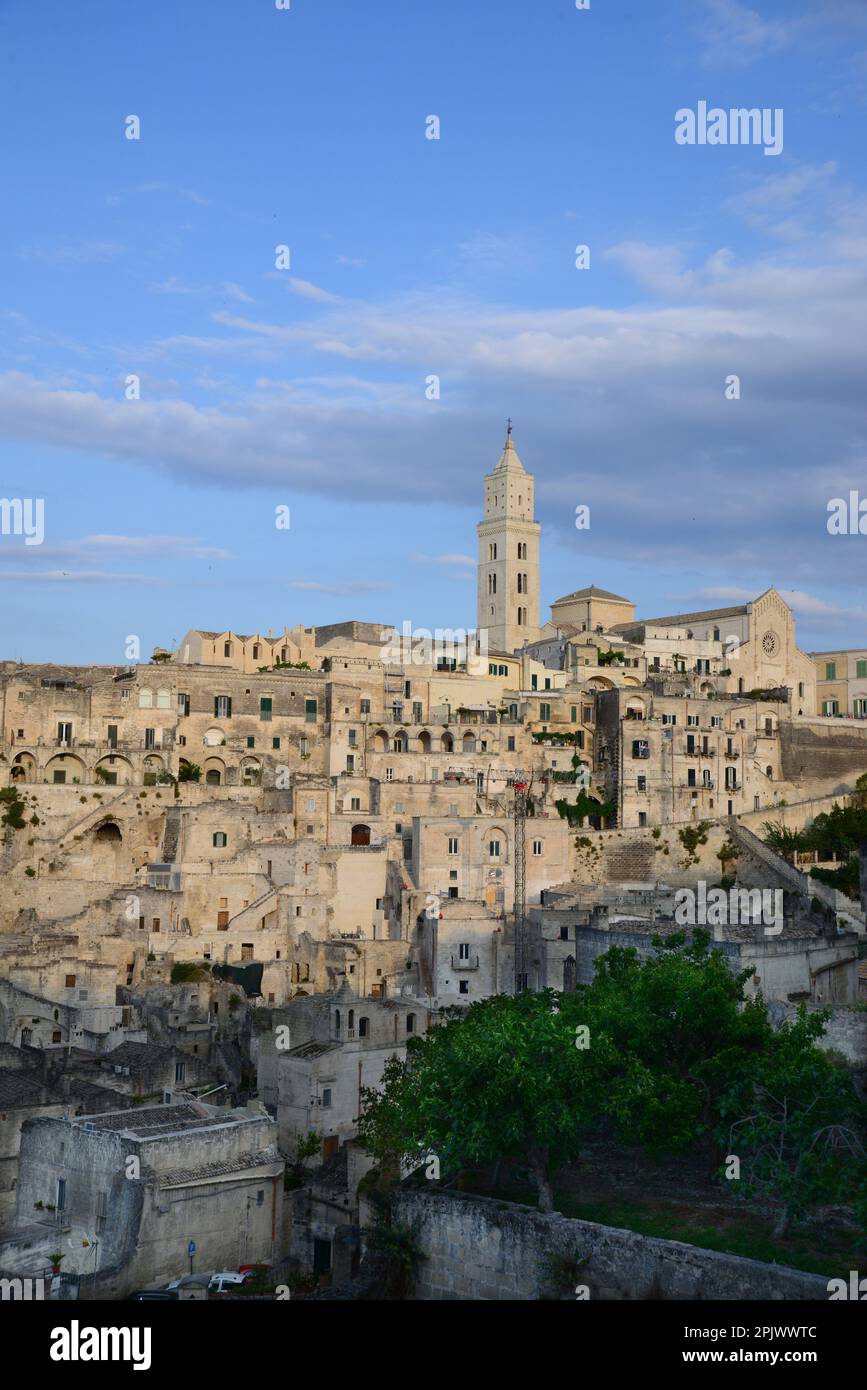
508 564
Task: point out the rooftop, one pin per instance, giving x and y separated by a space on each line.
591 593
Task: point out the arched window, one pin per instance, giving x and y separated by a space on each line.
145 698
164 699
363 1026
410 1023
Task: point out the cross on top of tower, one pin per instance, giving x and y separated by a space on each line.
509 429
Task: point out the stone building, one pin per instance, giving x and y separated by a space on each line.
841 683
130 1190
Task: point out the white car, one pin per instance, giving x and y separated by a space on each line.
228 1279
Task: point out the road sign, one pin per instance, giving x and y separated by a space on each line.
191 1248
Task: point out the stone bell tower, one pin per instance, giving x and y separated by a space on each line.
508 563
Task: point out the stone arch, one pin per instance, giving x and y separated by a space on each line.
251 772
380 741
108 832
69 765
468 743
360 835
636 707
214 771
448 743
213 738
601 683
117 768
23 767
495 835
424 742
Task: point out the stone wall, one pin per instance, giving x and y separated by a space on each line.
823 748
479 1249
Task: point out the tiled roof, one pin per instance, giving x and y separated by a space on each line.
678 619
591 592
19 1088
260 1159
137 1056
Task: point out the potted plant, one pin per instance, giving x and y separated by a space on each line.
54 1260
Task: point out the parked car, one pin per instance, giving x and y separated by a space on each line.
200 1281
147 1295
253 1272
228 1279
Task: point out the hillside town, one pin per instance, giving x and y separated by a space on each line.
241 878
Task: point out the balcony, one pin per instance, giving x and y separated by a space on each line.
465 962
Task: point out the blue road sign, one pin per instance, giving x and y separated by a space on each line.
191 1248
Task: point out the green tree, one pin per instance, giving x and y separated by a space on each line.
679 1027
785 841
796 1124
503 1081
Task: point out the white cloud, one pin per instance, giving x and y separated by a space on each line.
307 290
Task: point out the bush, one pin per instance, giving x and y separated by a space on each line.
186 971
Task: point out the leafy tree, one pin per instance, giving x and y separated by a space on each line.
785 841
679 1027
503 1081
189 772
796 1124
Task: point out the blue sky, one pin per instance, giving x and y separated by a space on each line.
411 258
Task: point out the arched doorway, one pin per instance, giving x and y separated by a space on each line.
109 833
23 768
361 834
